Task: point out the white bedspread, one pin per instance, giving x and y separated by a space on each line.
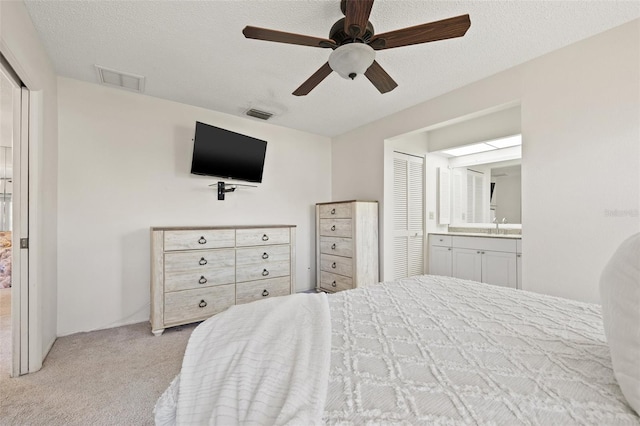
439 350
258 364
424 350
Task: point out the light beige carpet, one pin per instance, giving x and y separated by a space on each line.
106 377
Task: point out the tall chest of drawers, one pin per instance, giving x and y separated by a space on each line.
346 245
197 272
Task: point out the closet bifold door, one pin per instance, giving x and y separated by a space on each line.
408 197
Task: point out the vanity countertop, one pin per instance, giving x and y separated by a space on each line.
480 234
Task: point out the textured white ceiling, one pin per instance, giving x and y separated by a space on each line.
195 53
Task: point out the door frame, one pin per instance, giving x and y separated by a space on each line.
24 333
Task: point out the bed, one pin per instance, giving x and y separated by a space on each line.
422 350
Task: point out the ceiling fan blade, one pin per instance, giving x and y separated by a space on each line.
313 81
357 16
290 38
379 77
432 31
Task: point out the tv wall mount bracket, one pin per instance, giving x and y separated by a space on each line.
223 188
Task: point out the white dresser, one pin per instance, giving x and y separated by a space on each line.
197 272
346 245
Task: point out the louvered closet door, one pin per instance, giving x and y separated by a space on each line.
408 186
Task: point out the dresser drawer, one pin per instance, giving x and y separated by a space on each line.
202 268
263 289
199 239
335 227
336 264
334 282
262 236
193 305
260 272
335 211
336 246
262 255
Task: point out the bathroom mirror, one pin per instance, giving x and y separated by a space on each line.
485 193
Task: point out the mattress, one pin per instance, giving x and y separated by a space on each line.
437 350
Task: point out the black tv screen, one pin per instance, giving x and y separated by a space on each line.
226 154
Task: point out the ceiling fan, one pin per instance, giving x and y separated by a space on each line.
354 43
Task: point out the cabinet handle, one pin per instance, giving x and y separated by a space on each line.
333 227
265 272
202 261
265 237
333 211
202 304
265 293
333 246
449 248
265 255
519 255
478 252
333 284
333 265
202 279
202 240
482 252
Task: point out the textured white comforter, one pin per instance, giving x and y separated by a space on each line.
438 350
258 364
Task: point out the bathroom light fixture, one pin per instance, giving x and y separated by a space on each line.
507 142
350 60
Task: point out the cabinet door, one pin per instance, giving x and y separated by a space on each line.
467 264
499 268
440 261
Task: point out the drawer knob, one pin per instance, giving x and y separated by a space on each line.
202 261
333 246
333 227
265 237
265 272
265 293
202 304
202 279
333 284
333 211
333 265
265 255
202 240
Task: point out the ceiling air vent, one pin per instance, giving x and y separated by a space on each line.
120 79
259 114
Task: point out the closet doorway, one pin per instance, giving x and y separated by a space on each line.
14 112
408 215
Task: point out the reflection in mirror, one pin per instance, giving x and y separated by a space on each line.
486 187
506 194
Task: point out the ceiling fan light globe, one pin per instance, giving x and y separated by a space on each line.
352 58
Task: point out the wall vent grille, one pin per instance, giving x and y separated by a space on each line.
122 80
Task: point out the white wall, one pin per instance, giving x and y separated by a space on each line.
495 125
580 111
20 45
124 166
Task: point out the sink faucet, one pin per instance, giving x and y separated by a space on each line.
504 221
495 220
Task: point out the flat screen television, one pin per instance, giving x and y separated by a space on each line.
226 154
